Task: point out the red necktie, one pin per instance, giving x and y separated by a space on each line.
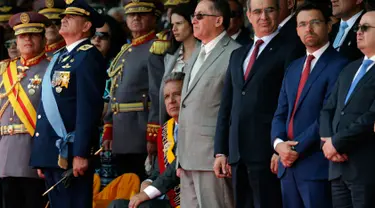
253 57
301 85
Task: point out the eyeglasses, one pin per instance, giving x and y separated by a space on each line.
101 35
313 23
9 43
362 28
234 14
200 16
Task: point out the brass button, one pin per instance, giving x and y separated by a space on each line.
39 116
36 134
114 99
116 85
144 95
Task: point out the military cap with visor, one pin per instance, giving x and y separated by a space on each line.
6 11
81 8
143 6
50 8
28 22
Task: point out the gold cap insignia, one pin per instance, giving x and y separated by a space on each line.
50 3
25 18
5 8
69 1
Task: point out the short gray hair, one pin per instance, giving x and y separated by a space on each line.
174 76
248 2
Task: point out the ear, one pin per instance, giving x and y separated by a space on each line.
291 4
219 21
86 27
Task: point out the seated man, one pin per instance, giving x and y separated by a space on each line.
164 179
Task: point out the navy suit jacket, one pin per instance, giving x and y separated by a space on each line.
247 106
80 106
311 164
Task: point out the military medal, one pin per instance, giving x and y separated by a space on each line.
31 91
58 89
34 84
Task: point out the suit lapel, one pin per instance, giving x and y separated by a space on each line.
317 70
215 53
172 61
263 56
365 78
190 65
294 79
239 73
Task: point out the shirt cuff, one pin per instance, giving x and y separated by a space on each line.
276 142
149 180
152 192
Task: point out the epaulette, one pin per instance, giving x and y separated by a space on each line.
58 50
161 45
85 47
3 65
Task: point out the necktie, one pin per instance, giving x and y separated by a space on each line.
340 34
175 132
253 57
197 65
361 73
301 85
64 54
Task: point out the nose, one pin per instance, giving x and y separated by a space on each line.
174 28
263 15
194 20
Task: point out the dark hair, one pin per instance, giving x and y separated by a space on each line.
118 38
185 10
307 6
222 6
239 8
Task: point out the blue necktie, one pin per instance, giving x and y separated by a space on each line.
63 55
361 73
175 132
340 34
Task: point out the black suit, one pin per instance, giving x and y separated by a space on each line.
289 35
349 47
244 38
351 127
244 123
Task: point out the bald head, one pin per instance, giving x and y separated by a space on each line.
366 34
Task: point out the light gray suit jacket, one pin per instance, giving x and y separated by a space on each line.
169 64
200 106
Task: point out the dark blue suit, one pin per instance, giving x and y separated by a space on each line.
305 184
80 105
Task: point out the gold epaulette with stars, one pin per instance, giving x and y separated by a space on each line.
3 65
85 47
161 45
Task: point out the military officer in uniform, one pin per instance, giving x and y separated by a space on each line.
69 114
52 10
20 90
129 122
6 11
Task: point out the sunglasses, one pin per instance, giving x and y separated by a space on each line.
9 43
101 35
200 16
362 28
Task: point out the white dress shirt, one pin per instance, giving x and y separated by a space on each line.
73 45
282 23
211 45
266 40
317 54
368 68
235 35
350 23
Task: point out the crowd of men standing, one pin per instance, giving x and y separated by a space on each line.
205 113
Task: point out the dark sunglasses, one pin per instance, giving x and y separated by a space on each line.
200 16
234 14
101 35
362 28
9 43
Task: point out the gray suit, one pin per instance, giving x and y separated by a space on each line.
197 122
